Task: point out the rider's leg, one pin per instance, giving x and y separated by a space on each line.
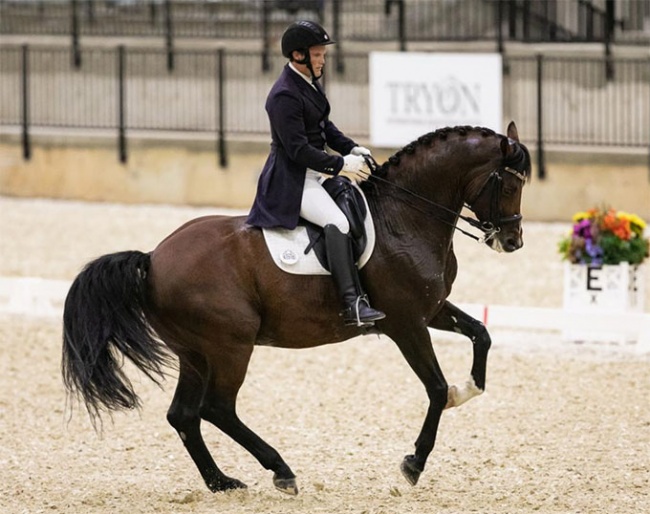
356 307
319 208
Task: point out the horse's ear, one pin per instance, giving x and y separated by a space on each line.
505 146
512 131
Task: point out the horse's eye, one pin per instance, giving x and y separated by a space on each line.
508 191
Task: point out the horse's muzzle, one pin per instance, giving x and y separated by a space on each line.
512 244
512 240
506 241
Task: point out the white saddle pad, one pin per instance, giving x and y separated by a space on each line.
287 248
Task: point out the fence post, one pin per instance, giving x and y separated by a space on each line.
512 19
402 25
266 65
336 26
526 20
541 168
499 21
589 19
401 21
121 103
90 10
76 53
500 46
609 33
153 7
169 35
221 106
27 148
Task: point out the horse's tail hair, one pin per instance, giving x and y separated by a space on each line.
104 316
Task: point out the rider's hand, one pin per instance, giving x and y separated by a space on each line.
354 168
353 163
360 150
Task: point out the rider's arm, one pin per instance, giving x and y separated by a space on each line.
286 115
336 140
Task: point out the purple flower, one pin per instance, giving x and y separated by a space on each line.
595 251
583 229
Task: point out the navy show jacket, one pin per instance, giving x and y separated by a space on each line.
300 129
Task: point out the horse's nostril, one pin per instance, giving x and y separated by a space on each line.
512 244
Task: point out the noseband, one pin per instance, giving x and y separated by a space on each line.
493 184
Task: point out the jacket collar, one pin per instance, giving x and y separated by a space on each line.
317 96
301 75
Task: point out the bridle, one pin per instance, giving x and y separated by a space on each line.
493 184
491 227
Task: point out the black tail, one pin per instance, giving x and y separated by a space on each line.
104 316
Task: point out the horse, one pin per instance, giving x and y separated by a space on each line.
210 292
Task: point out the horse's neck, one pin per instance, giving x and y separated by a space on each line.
444 172
408 212
441 173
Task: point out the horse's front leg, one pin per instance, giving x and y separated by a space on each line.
416 347
452 319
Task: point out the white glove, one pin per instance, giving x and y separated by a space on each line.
360 150
354 168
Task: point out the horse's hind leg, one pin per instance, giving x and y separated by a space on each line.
184 416
452 319
227 373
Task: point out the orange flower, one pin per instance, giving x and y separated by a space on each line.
620 227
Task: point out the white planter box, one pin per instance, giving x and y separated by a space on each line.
603 289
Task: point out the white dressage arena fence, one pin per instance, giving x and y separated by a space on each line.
39 297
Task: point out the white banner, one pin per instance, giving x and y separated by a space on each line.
412 94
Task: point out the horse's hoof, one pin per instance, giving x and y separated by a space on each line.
408 469
286 485
226 484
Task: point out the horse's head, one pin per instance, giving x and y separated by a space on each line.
444 169
497 205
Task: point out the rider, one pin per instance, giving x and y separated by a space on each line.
290 184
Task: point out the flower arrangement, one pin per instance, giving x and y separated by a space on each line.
605 236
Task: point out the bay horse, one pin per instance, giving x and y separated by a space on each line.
210 292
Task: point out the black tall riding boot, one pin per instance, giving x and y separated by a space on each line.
356 307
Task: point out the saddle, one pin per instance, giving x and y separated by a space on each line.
302 250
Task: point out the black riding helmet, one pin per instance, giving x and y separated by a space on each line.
301 36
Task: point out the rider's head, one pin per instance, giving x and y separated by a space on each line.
304 44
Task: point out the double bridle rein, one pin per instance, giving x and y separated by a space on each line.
491 227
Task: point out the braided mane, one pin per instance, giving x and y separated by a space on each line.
427 139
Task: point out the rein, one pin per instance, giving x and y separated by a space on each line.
489 228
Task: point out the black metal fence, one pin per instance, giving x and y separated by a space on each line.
370 20
555 100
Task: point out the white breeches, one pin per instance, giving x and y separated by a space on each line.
317 205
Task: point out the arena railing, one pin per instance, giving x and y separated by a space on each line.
555 100
583 20
400 21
